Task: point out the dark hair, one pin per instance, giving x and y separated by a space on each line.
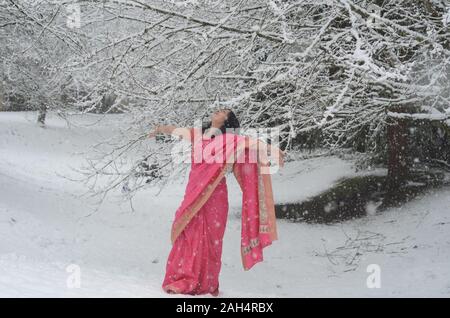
231 122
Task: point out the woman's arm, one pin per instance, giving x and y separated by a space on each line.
259 144
184 132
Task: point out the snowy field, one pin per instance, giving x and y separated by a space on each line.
45 234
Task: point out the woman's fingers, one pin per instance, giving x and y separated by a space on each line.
281 158
154 132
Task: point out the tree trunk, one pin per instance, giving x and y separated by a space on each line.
397 132
42 114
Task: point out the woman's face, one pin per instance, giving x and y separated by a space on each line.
219 117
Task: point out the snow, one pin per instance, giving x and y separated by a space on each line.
48 243
434 116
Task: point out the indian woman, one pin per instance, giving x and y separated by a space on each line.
194 262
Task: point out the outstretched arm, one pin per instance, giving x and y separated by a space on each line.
183 132
271 149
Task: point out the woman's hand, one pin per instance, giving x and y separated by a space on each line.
280 154
182 132
259 144
154 132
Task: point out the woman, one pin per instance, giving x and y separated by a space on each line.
194 262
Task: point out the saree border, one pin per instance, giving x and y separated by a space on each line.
187 216
267 216
266 205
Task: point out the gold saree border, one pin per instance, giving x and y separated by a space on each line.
265 196
179 225
267 218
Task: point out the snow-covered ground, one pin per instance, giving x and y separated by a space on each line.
47 242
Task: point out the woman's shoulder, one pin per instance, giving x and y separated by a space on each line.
195 133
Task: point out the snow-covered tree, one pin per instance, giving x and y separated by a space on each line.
337 74
35 43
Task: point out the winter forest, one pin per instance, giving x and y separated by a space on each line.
357 90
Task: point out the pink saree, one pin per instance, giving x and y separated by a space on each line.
194 262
